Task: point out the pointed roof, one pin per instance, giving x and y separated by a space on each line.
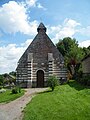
41 46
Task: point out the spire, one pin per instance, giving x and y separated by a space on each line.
41 27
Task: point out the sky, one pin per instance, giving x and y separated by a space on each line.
19 20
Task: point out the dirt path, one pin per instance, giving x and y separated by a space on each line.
13 110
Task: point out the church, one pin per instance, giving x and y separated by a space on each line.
40 60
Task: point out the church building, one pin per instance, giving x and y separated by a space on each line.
40 60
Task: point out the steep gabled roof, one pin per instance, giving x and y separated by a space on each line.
41 46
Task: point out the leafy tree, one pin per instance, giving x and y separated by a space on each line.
65 45
52 82
71 52
86 50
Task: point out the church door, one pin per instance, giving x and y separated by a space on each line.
40 78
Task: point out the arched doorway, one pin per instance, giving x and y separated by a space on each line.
40 78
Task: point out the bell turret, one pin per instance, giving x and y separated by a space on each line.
41 27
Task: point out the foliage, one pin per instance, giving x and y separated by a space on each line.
86 50
1 79
63 81
52 82
8 79
8 96
66 102
16 90
84 79
65 45
72 53
12 73
1 87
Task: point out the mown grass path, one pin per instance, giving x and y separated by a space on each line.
67 102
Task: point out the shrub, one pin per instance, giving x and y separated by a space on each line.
15 90
85 80
1 87
88 82
19 89
52 82
63 81
78 76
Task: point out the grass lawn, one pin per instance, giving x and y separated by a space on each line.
8 96
67 102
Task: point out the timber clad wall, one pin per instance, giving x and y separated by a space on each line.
86 65
41 58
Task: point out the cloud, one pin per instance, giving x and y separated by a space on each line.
26 43
34 3
67 29
85 43
40 6
14 18
54 29
31 3
10 54
85 31
70 23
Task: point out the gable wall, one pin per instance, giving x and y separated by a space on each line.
27 72
41 54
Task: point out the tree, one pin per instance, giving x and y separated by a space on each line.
86 50
65 45
71 52
52 82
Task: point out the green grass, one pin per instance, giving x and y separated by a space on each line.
8 96
67 102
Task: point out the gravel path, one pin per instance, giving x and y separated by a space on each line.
13 110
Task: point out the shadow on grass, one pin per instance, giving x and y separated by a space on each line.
47 91
77 85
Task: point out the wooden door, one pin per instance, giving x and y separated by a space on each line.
40 78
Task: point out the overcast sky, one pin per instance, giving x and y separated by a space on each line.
19 20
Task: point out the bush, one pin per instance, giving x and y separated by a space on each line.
52 82
84 79
78 76
15 90
63 81
88 82
1 87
